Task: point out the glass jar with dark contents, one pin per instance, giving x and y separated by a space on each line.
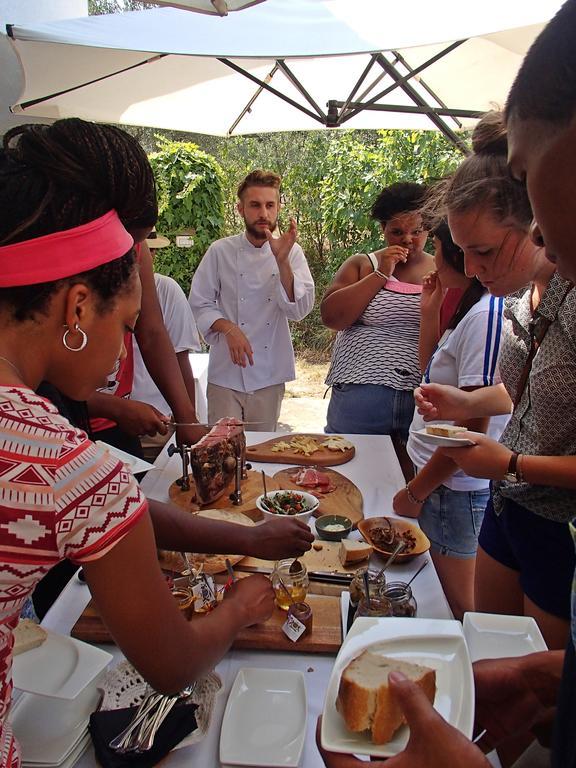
302 612
401 598
376 584
377 606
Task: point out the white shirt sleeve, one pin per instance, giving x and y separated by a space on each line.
204 294
303 288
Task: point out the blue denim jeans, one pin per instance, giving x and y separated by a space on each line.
452 520
370 409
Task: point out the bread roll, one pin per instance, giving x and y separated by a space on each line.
364 698
444 430
28 635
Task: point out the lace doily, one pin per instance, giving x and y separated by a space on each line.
124 687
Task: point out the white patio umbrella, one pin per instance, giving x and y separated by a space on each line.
280 65
219 7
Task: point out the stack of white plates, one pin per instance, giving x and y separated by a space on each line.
59 680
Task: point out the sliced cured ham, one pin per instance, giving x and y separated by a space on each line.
310 477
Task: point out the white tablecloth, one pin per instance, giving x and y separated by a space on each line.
376 472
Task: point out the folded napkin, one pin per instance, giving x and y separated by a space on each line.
105 725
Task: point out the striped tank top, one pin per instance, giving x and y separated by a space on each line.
381 347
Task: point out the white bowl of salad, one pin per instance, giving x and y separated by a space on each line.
287 503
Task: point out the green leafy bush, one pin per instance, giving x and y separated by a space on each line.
190 197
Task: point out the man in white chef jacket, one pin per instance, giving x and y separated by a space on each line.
243 293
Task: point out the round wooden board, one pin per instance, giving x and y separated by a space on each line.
345 499
323 457
217 563
251 489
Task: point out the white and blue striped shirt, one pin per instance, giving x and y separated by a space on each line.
466 356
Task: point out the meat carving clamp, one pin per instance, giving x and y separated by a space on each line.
184 451
236 495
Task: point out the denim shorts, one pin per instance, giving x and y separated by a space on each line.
540 550
370 409
452 520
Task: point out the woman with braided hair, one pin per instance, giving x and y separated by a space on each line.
103 162
69 292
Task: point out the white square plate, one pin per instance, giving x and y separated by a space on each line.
441 440
265 719
134 464
435 643
495 636
61 667
49 730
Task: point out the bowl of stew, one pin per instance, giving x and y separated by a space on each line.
286 503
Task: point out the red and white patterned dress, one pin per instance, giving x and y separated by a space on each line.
61 496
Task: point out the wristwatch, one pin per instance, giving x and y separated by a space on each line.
513 475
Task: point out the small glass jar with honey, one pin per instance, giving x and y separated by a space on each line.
290 583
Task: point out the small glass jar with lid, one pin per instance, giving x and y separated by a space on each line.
357 589
401 598
302 612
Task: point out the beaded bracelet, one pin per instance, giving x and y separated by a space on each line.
232 328
411 498
381 274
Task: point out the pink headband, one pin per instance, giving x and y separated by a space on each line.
63 254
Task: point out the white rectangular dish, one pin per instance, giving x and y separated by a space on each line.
61 667
494 636
435 643
49 730
265 719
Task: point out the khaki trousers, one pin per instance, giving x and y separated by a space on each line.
262 406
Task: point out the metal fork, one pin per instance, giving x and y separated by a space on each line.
148 732
146 705
139 735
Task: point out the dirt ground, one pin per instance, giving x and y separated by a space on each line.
303 408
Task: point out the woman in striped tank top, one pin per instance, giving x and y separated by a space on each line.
374 304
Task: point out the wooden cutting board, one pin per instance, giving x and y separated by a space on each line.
324 560
345 499
326 635
251 489
323 457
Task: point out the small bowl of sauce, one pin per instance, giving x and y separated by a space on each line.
333 527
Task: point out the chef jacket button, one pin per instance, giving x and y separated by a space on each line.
245 323
265 347
242 298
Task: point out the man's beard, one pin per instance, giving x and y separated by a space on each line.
258 234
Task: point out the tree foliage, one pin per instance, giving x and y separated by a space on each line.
190 198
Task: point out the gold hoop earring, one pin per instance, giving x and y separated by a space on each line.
79 330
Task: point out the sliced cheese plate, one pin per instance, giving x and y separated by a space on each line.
303 448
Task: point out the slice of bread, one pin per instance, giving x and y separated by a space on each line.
444 430
365 700
28 635
352 551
